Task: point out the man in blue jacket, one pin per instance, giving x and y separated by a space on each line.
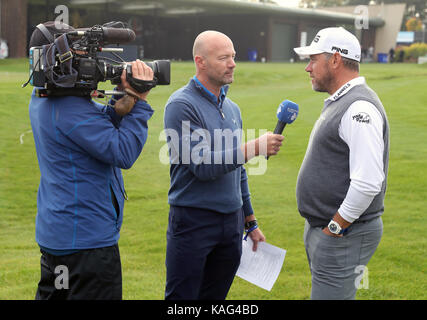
209 194
81 147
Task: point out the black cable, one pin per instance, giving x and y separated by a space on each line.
31 75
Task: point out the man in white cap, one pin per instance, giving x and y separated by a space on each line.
342 180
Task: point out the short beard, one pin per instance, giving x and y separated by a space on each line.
325 83
220 82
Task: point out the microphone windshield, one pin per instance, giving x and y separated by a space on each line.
110 35
287 111
118 35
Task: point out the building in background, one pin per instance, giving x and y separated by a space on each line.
384 37
13 26
260 30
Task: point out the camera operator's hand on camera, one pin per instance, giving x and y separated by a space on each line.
139 71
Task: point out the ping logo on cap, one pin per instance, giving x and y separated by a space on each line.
345 51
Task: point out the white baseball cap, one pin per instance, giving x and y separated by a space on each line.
332 40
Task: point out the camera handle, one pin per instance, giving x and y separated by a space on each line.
139 85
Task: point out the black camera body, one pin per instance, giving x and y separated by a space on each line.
74 56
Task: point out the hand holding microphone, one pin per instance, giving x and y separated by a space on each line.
269 143
266 145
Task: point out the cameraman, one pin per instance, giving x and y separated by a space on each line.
81 146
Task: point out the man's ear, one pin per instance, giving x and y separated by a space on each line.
336 60
200 62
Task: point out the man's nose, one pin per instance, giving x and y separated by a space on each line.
232 63
308 67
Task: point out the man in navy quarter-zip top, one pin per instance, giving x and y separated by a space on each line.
209 196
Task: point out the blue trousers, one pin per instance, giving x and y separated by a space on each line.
203 253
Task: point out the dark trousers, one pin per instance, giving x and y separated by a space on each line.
203 253
86 275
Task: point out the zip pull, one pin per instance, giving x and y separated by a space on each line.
123 191
222 113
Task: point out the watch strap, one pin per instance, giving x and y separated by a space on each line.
250 224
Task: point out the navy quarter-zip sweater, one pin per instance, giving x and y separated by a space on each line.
206 164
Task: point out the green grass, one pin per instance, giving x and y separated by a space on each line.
396 271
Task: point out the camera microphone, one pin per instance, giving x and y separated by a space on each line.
118 35
287 112
109 35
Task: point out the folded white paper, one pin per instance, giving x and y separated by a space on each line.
261 267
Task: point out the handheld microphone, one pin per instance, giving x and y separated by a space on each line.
287 112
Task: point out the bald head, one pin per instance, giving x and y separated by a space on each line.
208 41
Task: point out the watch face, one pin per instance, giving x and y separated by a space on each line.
333 228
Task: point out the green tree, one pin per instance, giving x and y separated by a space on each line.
413 24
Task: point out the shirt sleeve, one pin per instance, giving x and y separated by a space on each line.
190 144
246 196
361 128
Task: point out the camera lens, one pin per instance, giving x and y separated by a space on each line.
113 73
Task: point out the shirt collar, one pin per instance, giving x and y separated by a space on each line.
345 88
209 94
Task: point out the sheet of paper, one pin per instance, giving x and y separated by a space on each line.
263 266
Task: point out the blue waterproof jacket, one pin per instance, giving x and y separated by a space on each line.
81 146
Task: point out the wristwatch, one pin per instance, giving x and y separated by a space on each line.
250 224
335 228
